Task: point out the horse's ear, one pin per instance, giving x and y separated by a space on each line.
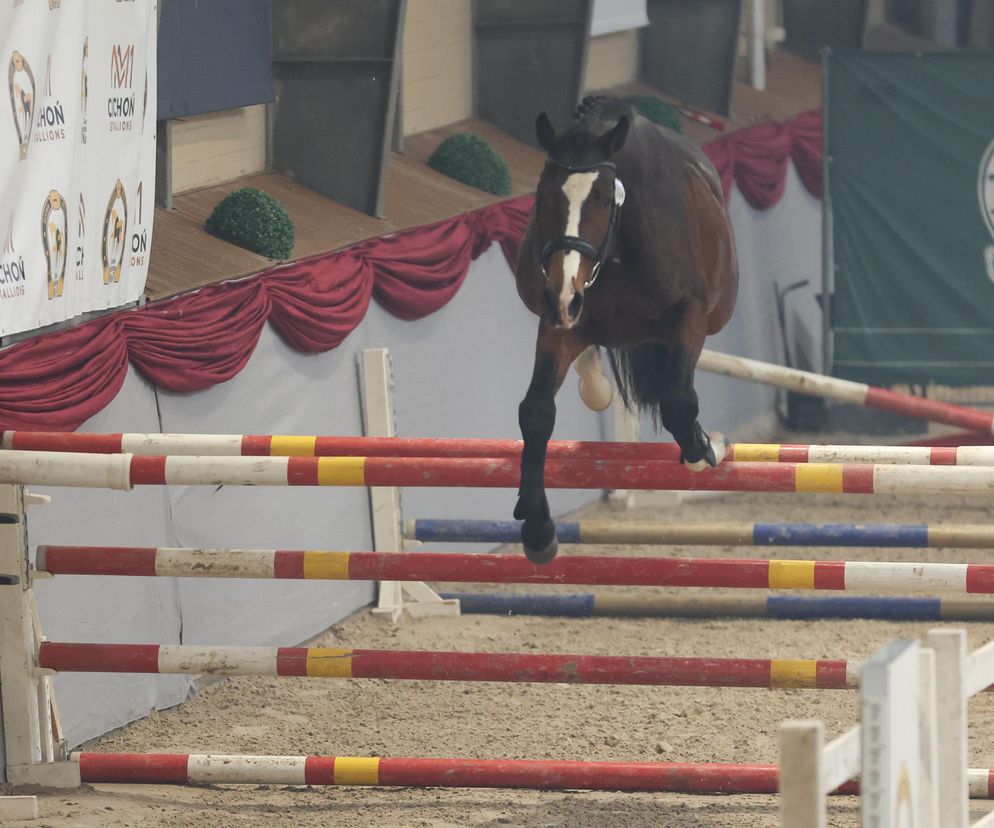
545 133
612 141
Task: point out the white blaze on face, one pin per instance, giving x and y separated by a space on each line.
576 188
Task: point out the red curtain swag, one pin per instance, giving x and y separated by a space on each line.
192 342
757 158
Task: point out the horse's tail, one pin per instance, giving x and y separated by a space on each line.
638 373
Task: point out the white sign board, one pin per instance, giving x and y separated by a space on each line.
77 157
889 698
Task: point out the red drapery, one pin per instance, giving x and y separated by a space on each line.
56 382
756 158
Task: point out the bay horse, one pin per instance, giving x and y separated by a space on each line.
629 247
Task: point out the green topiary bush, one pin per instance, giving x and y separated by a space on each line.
657 111
472 161
254 220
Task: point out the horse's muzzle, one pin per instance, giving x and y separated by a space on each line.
563 314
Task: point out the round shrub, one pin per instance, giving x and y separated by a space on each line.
254 220
472 161
657 111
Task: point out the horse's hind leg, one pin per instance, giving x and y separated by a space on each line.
678 405
555 351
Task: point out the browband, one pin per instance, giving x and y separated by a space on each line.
570 168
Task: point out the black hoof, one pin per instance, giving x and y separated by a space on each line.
702 450
540 542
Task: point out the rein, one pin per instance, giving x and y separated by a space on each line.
575 243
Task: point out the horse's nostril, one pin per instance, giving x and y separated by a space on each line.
551 304
574 306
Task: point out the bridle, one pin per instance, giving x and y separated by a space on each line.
585 248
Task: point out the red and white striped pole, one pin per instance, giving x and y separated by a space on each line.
122 471
325 662
275 445
856 393
604 570
699 778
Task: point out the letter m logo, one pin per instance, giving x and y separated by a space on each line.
122 65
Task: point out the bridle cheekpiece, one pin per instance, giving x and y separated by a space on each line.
585 248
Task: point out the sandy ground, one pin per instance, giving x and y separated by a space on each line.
371 717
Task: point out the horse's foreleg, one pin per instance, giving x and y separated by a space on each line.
679 406
554 353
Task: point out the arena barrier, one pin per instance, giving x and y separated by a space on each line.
275 445
850 576
897 535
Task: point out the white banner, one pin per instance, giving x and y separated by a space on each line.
77 157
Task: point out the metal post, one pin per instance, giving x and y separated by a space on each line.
827 252
757 45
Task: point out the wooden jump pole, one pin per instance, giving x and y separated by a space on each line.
849 576
855 393
123 471
672 777
607 532
324 662
234 445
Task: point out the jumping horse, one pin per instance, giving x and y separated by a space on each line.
628 247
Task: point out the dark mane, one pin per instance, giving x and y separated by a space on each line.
604 110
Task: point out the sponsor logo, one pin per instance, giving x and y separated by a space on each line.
112 243
54 4
12 273
55 240
21 83
139 238
985 194
51 123
121 105
80 236
84 91
122 66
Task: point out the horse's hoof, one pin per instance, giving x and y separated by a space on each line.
719 446
709 456
540 543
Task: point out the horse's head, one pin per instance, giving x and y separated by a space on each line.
577 205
